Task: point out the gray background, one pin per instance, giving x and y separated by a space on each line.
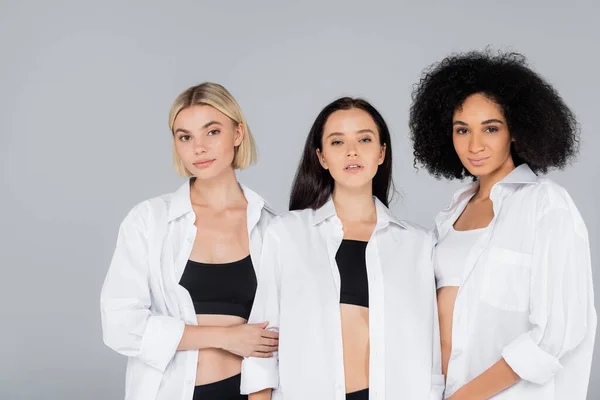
85 88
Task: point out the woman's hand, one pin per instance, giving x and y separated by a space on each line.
251 340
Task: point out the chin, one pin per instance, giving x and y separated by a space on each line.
483 170
354 183
208 173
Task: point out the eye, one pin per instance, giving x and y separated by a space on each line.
336 142
184 138
491 129
214 132
462 131
366 140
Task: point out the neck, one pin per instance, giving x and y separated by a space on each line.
218 192
487 182
354 204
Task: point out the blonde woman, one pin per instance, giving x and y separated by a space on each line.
182 279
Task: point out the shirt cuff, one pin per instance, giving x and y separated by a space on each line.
530 362
160 341
259 374
438 384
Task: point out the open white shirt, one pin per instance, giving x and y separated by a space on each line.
526 292
299 294
144 309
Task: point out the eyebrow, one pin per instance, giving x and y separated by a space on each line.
203 127
489 121
492 121
206 125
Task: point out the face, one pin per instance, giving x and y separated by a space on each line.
205 139
481 137
351 149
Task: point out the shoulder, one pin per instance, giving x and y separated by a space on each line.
416 232
291 222
555 207
547 195
146 211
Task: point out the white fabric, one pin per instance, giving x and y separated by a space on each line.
143 307
526 292
299 294
450 255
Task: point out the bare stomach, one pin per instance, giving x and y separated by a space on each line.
355 337
446 296
215 364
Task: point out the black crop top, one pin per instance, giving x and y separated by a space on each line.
226 289
352 265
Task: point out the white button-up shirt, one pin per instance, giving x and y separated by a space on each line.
143 307
526 292
299 294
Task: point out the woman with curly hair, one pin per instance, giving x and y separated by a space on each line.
512 258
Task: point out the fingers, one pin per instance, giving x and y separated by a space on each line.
263 325
265 349
260 354
269 342
270 334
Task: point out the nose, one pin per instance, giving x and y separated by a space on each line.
351 150
199 146
475 143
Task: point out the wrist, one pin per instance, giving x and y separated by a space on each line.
221 337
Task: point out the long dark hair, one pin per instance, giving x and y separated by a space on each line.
313 184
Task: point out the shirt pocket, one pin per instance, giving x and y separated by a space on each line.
507 279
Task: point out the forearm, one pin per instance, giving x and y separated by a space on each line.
262 395
202 337
494 380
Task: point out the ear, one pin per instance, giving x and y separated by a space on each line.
238 137
382 154
322 159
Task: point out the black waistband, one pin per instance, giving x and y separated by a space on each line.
359 395
227 389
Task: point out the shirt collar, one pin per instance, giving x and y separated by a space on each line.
181 203
520 175
384 214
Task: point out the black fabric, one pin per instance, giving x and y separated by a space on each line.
227 389
360 395
352 265
225 289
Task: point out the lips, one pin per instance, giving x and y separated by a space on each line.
203 163
478 161
353 166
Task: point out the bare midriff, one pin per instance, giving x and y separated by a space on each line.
446 297
216 364
355 338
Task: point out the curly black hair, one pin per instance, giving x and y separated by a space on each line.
545 130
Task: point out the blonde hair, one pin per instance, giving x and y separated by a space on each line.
214 95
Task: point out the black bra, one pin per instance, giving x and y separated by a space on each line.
225 289
352 265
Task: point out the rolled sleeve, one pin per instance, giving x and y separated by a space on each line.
159 343
263 373
128 325
259 374
529 361
561 299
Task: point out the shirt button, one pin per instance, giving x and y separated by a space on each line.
190 240
189 382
